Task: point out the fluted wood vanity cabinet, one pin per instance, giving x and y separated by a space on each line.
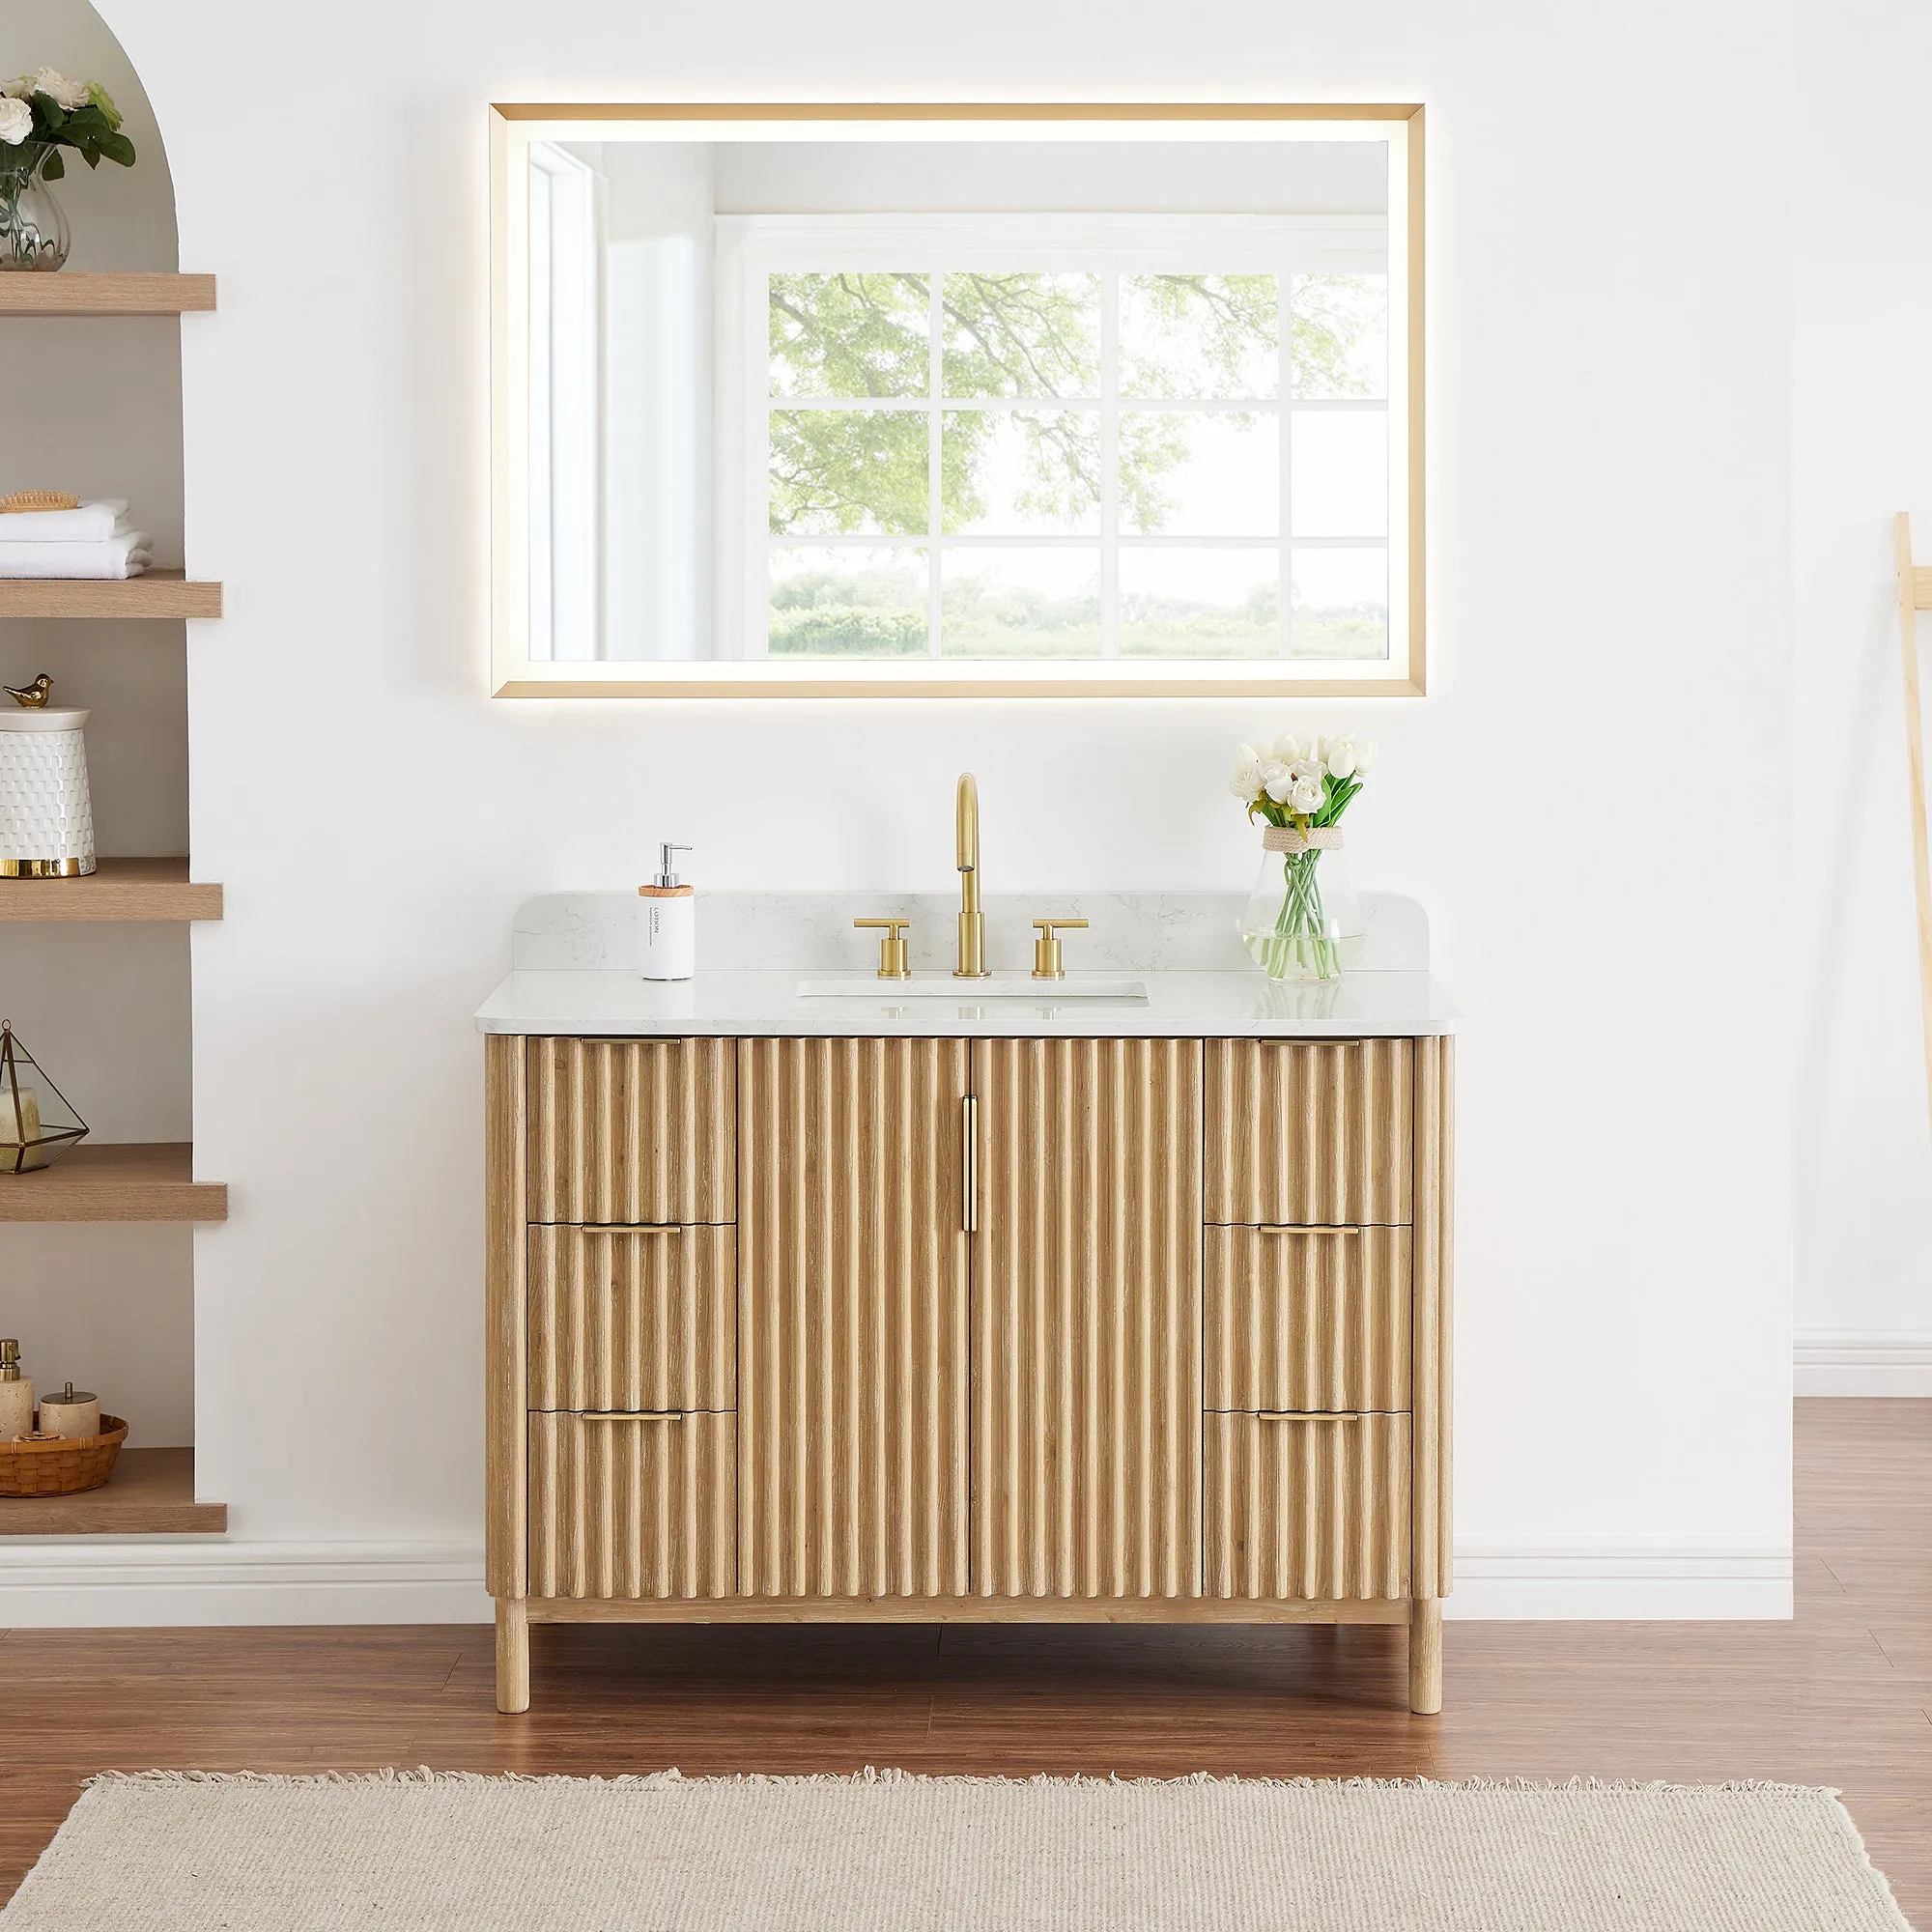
999 1329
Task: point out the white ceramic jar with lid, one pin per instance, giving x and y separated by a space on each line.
46 817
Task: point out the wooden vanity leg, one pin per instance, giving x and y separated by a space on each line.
1425 1655
513 1655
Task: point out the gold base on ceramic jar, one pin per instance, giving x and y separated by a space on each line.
45 869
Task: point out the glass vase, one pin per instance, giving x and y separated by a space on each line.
32 226
1303 920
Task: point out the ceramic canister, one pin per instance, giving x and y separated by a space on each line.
47 819
74 1413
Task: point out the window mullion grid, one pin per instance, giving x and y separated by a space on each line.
1285 418
935 355
1110 465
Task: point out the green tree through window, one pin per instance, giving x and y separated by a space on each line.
855 409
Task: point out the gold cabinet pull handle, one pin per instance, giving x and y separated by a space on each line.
969 1166
629 1228
1309 1415
1299 1228
632 1414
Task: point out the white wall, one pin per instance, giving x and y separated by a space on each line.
1862 423
1593 801
95 407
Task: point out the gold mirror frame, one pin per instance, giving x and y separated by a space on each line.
513 127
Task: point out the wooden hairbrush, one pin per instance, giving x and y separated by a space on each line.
23 500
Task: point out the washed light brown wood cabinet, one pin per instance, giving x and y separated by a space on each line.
999 1329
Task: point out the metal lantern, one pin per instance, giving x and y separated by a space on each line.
37 1125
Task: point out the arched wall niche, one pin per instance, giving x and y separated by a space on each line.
106 1007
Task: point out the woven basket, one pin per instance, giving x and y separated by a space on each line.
61 1468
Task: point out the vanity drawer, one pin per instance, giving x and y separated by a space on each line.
639 1317
634 1506
1306 1317
1307 1506
637 1131
1309 1131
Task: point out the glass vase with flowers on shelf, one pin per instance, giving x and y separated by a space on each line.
41 114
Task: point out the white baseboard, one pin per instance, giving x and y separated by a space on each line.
177 1582
1554 1582
110 1583
1864 1361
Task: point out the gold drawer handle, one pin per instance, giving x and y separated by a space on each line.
631 1415
1295 1228
629 1228
1310 1415
969 1166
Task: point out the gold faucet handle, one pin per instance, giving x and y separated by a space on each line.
1046 960
891 948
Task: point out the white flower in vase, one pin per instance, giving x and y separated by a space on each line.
65 94
1290 748
16 120
1305 795
1278 781
1366 753
1339 756
1247 781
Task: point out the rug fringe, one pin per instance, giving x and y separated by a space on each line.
893 1774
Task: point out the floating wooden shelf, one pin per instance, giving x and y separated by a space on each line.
65 294
160 593
135 1180
121 890
150 1493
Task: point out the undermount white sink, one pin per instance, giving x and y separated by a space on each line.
970 992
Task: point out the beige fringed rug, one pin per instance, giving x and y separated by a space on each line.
891 1853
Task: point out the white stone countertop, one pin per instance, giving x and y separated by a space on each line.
573 957
1178 1005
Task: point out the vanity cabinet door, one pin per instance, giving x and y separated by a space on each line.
1087 1414
1306 1317
1308 1506
852 1318
1310 1131
631 1131
632 1505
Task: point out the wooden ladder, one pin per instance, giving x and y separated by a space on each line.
1915 594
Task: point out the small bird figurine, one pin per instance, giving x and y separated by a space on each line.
33 696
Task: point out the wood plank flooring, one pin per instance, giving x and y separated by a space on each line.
1843 1696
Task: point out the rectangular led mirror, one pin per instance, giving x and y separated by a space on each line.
957 401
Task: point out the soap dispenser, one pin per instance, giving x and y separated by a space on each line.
668 922
16 1395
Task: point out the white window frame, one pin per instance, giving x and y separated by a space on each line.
566 407
752 248
514 128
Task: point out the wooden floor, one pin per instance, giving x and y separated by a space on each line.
1843 1696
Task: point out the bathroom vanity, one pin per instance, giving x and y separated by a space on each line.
928 1302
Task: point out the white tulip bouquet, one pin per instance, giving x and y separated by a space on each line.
1299 788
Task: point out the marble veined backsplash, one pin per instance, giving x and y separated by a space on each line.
812 932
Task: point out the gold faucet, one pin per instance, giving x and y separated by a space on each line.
972 921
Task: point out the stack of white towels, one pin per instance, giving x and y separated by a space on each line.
95 540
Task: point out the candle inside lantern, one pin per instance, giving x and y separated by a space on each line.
18 1131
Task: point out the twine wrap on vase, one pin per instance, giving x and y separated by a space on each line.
1292 838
